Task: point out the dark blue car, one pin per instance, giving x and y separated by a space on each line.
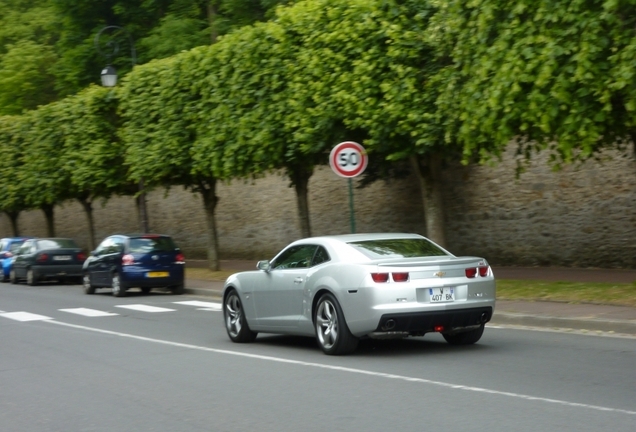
8 248
143 261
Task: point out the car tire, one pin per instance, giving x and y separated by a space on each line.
119 289
465 338
332 332
235 322
12 277
177 289
31 277
88 286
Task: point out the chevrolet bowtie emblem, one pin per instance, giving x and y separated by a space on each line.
439 274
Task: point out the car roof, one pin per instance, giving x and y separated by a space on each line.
348 238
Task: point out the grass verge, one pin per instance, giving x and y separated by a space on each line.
206 274
570 292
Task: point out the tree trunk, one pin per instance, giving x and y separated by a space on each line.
87 204
13 217
212 14
428 169
49 213
210 200
143 208
300 180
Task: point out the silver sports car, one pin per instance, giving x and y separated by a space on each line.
344 288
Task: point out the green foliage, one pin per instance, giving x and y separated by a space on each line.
558 76
92 155
12 195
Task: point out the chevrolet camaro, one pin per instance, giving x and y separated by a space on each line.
340 289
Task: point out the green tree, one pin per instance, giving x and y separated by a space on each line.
158 107
366 63
552 76
42 177
92 154
12 200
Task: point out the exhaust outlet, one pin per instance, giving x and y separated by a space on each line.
389 325
484 317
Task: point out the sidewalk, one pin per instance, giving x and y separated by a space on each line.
577 317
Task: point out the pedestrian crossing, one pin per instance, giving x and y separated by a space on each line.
23 316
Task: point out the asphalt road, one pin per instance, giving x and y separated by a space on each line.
138 368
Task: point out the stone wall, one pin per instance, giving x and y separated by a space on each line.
581 216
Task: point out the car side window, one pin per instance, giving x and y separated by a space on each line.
26 246
320 256
102 249
295 257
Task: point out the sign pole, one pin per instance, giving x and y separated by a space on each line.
352 215
349 159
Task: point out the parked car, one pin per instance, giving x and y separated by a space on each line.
343 288
8 248
145 261
41 259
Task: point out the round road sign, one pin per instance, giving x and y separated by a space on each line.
348 159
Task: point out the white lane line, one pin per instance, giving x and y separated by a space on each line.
201 304
356 371
88 312
145 308
562 330
25 316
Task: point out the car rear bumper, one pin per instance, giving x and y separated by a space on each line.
434 321
134 276
57 271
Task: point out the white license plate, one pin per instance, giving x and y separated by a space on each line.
61 258
441 295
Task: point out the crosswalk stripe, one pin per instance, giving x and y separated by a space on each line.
202 304
88 312
145 308
25 316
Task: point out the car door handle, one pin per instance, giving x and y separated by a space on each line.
298 280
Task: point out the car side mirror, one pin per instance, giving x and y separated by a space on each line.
92 253
263 265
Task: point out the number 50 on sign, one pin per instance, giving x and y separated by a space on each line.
348 159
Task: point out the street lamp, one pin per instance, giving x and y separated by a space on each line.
109 79
109 76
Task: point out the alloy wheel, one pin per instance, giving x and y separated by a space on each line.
234 315
327 324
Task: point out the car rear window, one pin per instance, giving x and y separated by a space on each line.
398 248
151 244
56 244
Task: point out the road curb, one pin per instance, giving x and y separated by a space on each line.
576 323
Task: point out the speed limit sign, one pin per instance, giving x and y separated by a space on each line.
348 159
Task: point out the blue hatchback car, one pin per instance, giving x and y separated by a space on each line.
8 247
143 261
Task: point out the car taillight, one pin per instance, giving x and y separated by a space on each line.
380 277
81 256
180 258
7 254
41 257
400 277
127 259
471 272
483 271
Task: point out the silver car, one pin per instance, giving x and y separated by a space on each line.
344 288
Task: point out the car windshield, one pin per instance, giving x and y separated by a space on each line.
151 244
56 244
398 248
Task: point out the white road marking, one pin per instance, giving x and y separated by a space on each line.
356 371
145 308
25 316
201 304
88 312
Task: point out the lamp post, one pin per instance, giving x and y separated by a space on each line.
109 79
